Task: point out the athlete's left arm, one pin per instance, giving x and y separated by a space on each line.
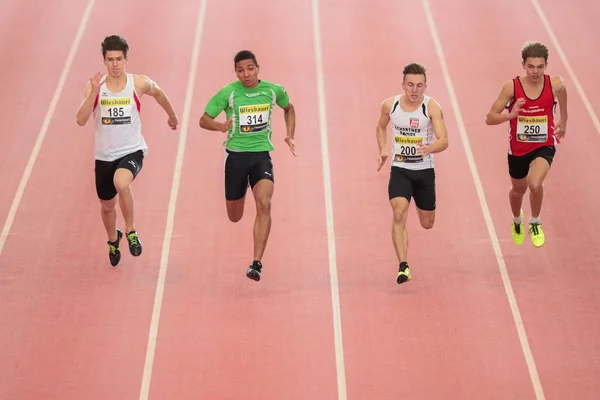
439 128
289 115
145 85
560 89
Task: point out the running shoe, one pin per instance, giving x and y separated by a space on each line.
135 244
114 254
518 231
403 273
537 234
253 271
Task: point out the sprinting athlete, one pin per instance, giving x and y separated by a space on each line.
418 131
248 104
114 100
530 101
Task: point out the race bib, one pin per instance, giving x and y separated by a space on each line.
406 149
532 129
254 118
115 111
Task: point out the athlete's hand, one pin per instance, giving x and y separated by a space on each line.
560 129
224 127
423 150
515 111
381 160
96 81
173 121
291 144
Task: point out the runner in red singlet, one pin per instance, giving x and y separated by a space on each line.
534 132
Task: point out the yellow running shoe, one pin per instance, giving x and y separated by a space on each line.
518 231
537 234
404 274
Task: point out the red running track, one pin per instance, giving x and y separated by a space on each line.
74 327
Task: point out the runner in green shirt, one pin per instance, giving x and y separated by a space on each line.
248 104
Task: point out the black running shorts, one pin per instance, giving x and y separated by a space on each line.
105 173
419 185
518 166
243 169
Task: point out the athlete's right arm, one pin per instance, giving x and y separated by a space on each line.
495 116
209 123
87 105
384 120
218 103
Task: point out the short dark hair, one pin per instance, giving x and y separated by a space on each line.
244 55
115 43
534 50
415 69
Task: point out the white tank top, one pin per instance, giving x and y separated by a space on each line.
118 124
408 129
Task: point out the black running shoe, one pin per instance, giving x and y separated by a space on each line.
403 273
114 254
135 244
253 271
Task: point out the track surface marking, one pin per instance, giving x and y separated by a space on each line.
553 284
75 328
222 335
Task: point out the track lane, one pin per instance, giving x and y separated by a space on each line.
552 284
222 335
28 84
450 329
78 327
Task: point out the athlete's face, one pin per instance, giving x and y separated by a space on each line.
247 73
414 86
535 68
115 62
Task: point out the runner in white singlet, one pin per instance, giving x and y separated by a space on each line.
418 131
120 148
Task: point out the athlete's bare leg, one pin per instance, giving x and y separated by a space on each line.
538 170
108 210
263 193
235 209
427 218
515 195
399 232
122 181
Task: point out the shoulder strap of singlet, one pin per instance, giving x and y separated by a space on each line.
396 102
511 101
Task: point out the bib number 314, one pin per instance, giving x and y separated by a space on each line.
254 118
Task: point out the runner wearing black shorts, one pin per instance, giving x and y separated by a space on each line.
105 173
418 131
419 185
243 169
249 103
534 132
114 102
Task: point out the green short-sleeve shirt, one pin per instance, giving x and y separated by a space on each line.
250 110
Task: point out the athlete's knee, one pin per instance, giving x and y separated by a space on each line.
400 215
427 222
400 209
518 189
122 180
263 205
108 206
535 185
235 210
426 218
235 216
